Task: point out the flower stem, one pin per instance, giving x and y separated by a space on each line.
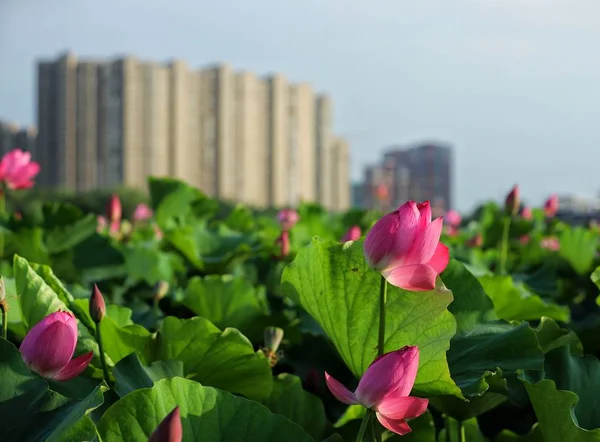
382 300
504 246
101 350
462 434
363 426
4 309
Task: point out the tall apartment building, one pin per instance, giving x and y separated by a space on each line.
12 136
238 137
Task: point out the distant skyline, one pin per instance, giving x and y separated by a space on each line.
511 84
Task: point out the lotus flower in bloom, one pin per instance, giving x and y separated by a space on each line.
142 212
385 388
49 346
17 170
405 247
352 234
113 209
551 206
288 218
513 200
169 430
526 213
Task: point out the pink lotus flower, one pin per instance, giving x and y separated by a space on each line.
526 213
385 388
288 218
169 430
550 243
452 218
283 241
551 206
49 346
352 234
142 212
405 247
113 209
17 170
513 200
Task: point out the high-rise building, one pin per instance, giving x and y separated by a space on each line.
12 136
238 137
340 166
324 141
420 172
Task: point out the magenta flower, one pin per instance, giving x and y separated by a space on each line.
452 218
113 209
550 243
352 234
551 206
385 388
526 213
49 346
405 247
142 212
17 170
288 218
97 305
169 430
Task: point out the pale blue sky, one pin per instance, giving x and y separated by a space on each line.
513 84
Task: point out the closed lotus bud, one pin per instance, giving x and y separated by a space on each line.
49 346
273 337
97 305
161 289
513 200
352 234
288 218
113 210
170 429
551 206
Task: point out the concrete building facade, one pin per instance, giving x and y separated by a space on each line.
236 136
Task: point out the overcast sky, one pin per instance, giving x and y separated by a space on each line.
514 85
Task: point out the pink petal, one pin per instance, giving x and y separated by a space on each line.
170 429
50 344
439 260
402 407
32 169
392 373
424 244
425 211
396 426
340 392
74 368
415 278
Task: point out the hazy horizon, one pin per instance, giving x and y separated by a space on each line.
511 84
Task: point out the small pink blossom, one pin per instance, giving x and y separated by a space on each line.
142 212
452 218
352 234
526 213
550 243
288 218
49 346
405 247
385 388
17 170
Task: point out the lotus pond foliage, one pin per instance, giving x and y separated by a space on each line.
181 319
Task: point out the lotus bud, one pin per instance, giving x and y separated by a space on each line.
97 305
170 429
513 200
113 209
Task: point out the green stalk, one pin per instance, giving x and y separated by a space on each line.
382 300
4 309
462 435
504 246
363 426
101 350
